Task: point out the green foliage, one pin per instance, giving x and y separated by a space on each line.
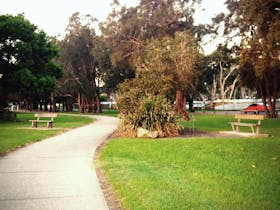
24 79
85 59
142 105
45 85
150 112
257 22
163 66
116 75
221 75
127 30
173 60
25 58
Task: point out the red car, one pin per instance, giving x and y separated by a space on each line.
255 108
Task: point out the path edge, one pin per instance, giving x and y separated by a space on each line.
112 200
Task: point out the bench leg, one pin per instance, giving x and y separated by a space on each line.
257 129
49 124
252 128
34 124
232 127
237 128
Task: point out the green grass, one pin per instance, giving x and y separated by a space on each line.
109 112
197 173
213 123
18 134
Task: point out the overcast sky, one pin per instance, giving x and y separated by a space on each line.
52 15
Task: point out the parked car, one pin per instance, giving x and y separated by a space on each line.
197 105
255 108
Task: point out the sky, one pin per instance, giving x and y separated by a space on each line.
52 16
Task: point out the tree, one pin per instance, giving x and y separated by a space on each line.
127 29
198 89
176 59
26 62
185 54
258 22
223 63
164 67
85 59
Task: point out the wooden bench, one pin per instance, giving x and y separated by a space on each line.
44 115
236 125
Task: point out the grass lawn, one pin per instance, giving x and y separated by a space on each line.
197 173
109 113
213 123
17 134
105 112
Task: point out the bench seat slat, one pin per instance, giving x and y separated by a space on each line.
248 117
244 124
44 115
235 125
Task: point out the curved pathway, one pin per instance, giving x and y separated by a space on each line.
56 173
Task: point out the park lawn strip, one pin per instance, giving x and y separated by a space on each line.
109 113
197 173
216 123
17 134
194 174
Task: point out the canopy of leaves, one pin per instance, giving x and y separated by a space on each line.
163 66
26 60
127 30
258 22
173 60
84 56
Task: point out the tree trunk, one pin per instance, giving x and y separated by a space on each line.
181 104
233 86
274 97
63 105
53 103
80 103
221 83
190 101
35 105
45 105
243 92
41 105
91 105
98 105
271 94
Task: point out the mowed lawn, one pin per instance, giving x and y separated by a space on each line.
19 133
197 173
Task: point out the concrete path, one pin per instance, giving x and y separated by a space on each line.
56 173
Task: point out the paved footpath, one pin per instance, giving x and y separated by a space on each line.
56 173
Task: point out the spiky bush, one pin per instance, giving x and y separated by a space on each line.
140 109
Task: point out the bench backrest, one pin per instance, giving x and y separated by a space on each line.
50 115
249 117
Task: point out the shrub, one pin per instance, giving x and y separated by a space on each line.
140 109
